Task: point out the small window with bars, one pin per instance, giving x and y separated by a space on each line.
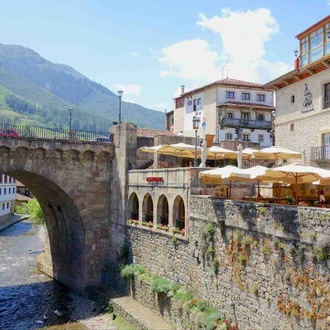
230 95
260 138
229 136
246 137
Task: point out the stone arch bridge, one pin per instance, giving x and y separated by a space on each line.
71 181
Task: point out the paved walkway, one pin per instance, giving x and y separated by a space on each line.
139 316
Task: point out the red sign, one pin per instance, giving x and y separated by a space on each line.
154 179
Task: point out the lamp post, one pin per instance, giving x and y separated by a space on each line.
120 94
70 125
196 121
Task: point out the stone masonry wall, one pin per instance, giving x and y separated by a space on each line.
265 265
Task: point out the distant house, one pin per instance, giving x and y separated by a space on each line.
7 197
23 190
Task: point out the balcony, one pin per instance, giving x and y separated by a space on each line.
321 154
326 102
246 123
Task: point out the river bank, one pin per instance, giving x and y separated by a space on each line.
32 300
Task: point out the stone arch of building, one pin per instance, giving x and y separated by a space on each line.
133 206
179 213
147 208
162 210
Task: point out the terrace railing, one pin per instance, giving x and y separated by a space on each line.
49 133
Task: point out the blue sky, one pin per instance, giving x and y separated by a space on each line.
151 47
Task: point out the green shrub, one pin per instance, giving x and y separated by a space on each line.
183 295
33 210
129 271
211 318
320 253
162 285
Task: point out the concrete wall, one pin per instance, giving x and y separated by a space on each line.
308 126
261 266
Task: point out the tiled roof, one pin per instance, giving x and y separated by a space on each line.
149 132
226 82
323 20
236 82
249 105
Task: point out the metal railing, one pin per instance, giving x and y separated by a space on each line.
321 153
326 102
246 123
48 133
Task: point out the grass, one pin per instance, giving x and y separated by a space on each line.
121 324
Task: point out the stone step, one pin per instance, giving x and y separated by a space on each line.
141 317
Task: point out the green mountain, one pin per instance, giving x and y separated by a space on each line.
42 91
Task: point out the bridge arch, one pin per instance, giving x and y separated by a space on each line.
74 197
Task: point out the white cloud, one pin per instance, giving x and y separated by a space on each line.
243 36
190 60
133 53
131 89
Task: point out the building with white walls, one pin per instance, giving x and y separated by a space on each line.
7 197
233 110
303 97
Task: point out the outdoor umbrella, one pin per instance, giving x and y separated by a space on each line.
216 152
278 153
179 150
298 172
249 174
150 149
220 172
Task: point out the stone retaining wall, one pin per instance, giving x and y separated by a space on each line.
263 265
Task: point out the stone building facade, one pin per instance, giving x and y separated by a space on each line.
7 197
303 97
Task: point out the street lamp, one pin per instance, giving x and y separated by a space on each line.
196 121
70 125
120 94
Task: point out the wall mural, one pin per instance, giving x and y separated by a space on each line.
308 102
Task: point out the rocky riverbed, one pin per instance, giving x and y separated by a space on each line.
32 300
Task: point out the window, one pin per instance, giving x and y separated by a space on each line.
195 107
326 96
246 96
0 190
230 115
260 138
229 136
261 97
230 95
292 127
245 116
199 101
3 206
4 191
315 45
189 103
13 190
7 205
246 137
260 117
292 98
9 190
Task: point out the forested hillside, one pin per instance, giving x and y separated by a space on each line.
50 89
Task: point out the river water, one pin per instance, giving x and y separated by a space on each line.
32 300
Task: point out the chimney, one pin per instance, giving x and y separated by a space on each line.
182 89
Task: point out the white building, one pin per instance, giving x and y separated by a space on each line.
7 197
233 110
